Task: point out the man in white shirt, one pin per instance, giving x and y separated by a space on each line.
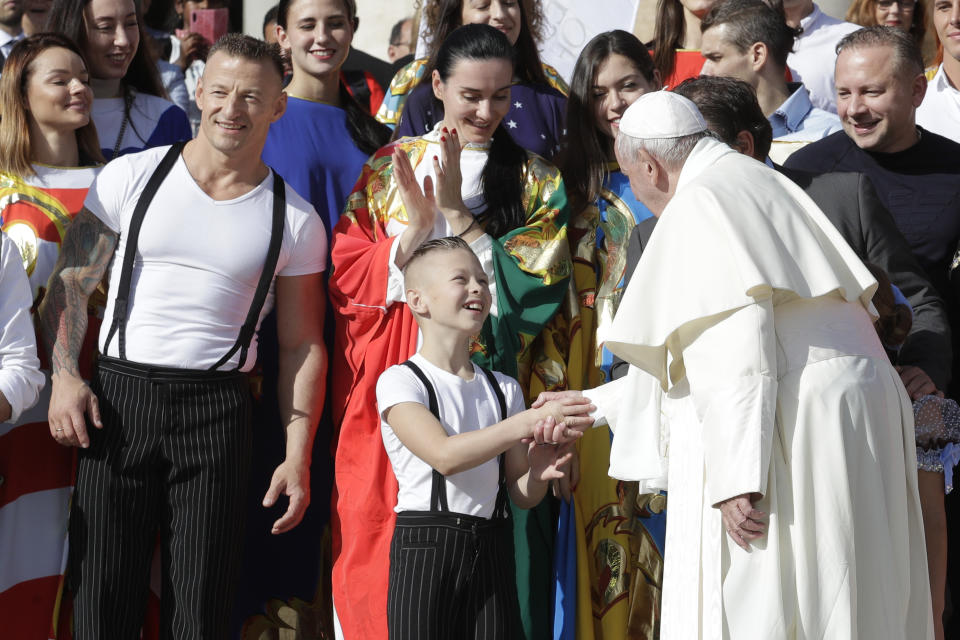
20 377
749 41
940 110
11 12
185 229
814 51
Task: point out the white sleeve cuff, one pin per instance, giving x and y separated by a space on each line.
483 248
395 289
21 388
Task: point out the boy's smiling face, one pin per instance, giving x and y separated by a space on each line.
449 288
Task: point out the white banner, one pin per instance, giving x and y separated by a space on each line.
570 24
568 27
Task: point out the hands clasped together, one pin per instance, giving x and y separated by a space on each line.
564 416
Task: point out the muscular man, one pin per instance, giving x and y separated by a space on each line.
203 242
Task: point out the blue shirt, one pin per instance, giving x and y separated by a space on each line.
150 122
311 148
797 120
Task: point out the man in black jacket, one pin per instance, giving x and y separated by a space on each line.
850 202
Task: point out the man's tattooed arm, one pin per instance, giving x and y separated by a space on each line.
84 255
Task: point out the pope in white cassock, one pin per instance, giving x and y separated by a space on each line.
759 395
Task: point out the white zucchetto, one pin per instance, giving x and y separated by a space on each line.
661 114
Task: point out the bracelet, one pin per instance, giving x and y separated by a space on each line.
472 224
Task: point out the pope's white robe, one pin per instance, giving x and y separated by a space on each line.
757 370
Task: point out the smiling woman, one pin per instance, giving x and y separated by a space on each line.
333 133
510 206
130 107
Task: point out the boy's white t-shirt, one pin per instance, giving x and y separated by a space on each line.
464 405
198 260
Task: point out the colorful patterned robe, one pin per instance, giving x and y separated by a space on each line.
610 540
37 472
409 77
531 266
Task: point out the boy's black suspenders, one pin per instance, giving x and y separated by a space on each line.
438 493
120 303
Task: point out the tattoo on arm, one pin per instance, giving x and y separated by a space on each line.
84 255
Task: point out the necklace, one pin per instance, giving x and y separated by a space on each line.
127 103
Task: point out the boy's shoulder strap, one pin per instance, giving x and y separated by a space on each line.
432 403
501 399
438 489
500 508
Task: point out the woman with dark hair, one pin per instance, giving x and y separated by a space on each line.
909 15
332 133
613 70
676 39
130 108
535 118
48 157
510 206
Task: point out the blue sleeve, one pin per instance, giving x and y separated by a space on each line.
420 113
173 126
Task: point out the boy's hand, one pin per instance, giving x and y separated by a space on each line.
547 431
546 460
564 487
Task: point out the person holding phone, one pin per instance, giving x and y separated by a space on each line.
189 47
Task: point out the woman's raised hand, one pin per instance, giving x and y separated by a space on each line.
449 179
420 204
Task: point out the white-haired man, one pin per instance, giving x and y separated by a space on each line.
791 468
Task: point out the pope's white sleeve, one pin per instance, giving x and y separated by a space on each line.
606 399
20 377
731 368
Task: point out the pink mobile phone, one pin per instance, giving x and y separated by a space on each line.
210 23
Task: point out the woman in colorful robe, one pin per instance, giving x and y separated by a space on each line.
510 205
536 115
47 159
609 558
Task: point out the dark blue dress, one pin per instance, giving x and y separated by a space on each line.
535 119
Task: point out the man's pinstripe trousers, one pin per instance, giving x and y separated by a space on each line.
172 459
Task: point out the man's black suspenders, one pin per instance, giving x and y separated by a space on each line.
120 304
438 493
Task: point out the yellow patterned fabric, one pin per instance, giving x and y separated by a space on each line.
400 87
618 533
555 80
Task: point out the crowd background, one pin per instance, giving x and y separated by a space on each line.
285 581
